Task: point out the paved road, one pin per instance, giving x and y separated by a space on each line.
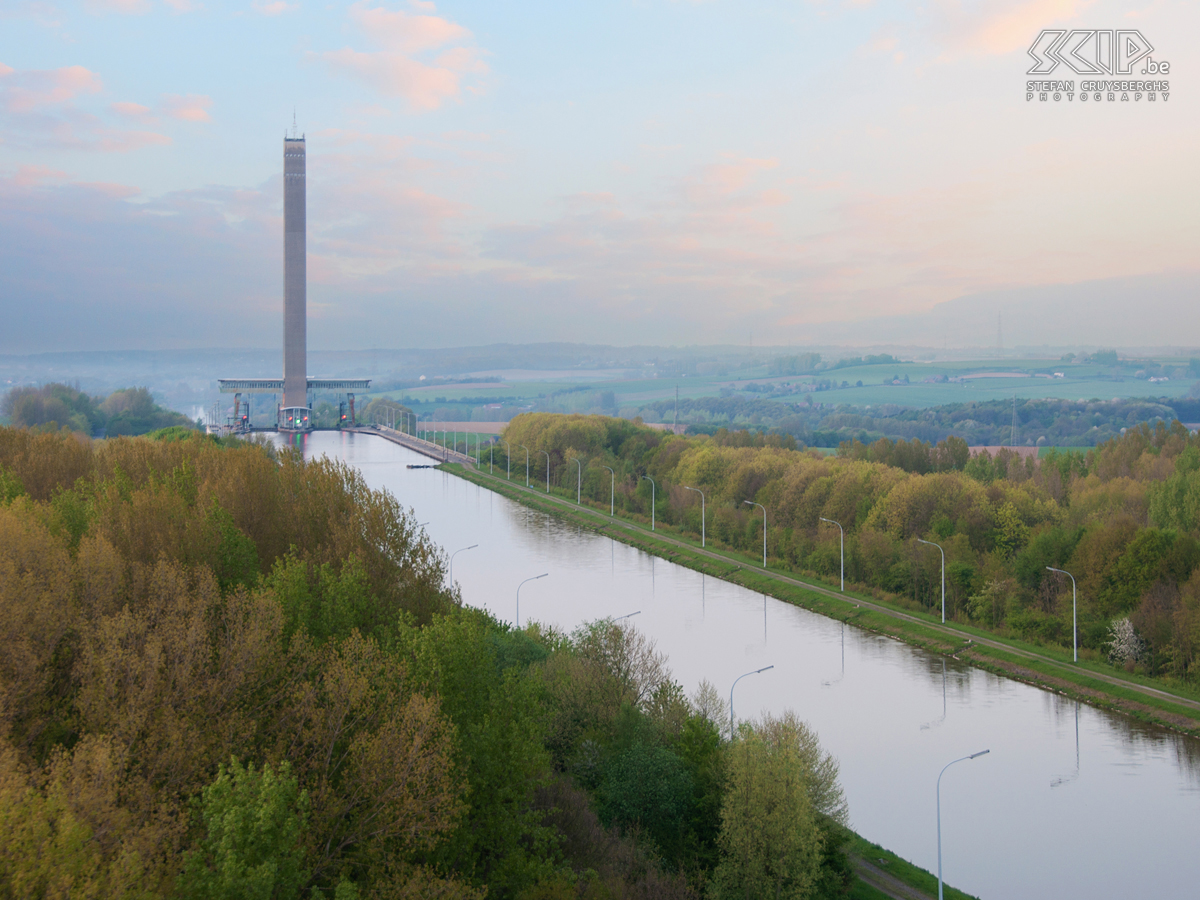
948 630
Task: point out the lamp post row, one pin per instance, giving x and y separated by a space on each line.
704 536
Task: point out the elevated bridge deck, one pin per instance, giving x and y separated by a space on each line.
425 448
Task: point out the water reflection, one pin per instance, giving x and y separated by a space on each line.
1128 824
842 643
1061 780
942 718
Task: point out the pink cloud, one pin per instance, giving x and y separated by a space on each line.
273 7
135 111
125 7
397 70
192 108
996 28
109 140
28 176
405 32
35 89
425 87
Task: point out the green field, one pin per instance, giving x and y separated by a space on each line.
985 380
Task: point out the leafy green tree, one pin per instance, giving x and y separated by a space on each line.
647 788
480 669
10 486
1175 503
254 823
771 844
324 602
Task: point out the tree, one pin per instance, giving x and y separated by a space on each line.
254 822
779 786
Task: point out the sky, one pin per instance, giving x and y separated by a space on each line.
649 172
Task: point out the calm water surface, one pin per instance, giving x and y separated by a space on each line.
1071 802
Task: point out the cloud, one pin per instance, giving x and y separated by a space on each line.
404 32
38 110
192 108
124 7
32 90
134 111
173 270
395 70
137 7
395 75
30 175
997 28
273 7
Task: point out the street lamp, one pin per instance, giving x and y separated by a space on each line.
526 449
454 554
939 810
612 492
943 552
578 478
653 491
843 546
508 456
547 455
703 539
1074 628
526 581
735 681
764 509
627 616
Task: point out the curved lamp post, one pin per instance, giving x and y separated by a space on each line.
842 533
578 478
454 554
628 616
653 491
939 809
526 449
612 491
547 455
508 456
735 681
764 509
526 581
1074 629
703 539
943 552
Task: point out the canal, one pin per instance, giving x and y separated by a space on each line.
1071 802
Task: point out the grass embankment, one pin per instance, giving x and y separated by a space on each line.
879 870
1092 682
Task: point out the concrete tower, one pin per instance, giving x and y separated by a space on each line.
295 276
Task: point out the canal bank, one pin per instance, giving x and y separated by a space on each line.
1012 659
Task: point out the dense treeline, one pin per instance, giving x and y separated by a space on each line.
824 422
231 673
52 407
1124 519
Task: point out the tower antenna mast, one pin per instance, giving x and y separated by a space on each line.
294 128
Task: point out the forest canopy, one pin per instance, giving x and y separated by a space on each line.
231 672
131 411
